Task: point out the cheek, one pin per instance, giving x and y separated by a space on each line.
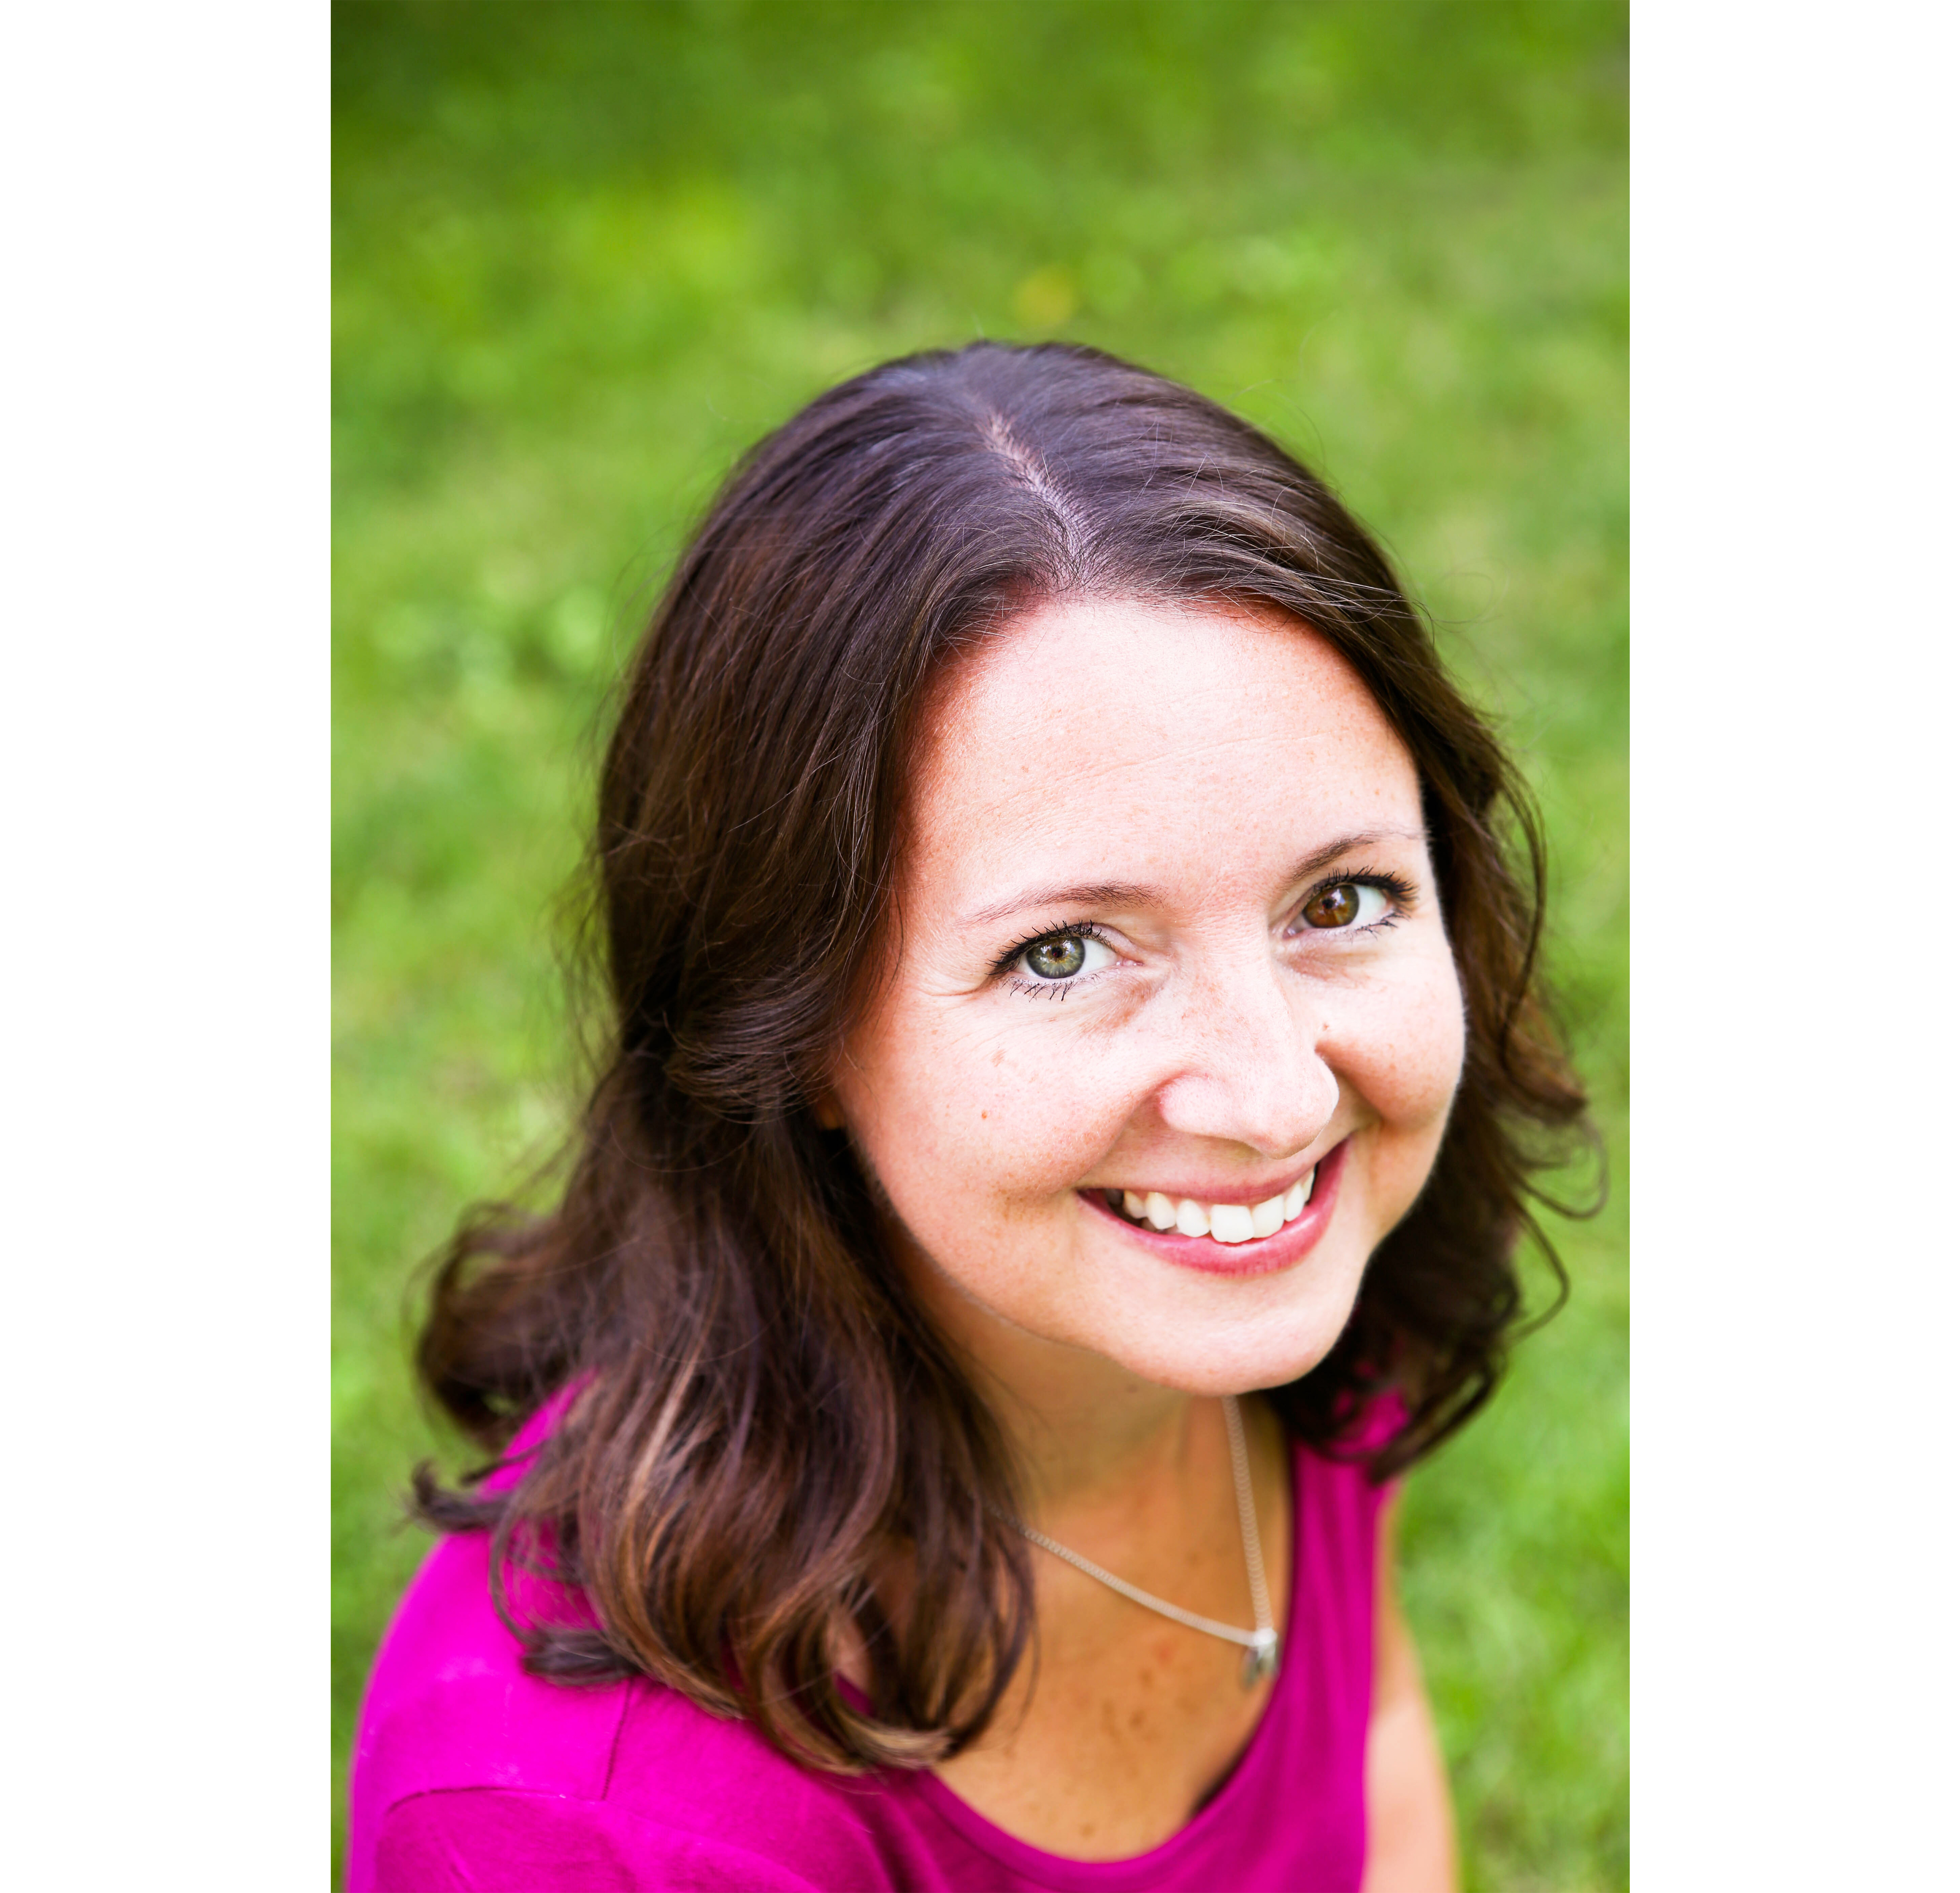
1402 1057
1406 1059
966 1124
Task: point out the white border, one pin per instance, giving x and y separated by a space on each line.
163 741
1794 1041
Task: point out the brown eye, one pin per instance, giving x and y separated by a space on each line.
1334 907
1056 959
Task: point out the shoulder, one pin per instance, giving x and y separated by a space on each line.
465 1766
1337 1545
1340 1504
513 1841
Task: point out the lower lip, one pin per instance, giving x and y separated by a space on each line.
1263 1255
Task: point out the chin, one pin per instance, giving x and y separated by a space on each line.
1236 1351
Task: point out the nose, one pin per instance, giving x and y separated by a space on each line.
1247 1068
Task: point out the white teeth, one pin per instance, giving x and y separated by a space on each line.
1231 1222
1223 1222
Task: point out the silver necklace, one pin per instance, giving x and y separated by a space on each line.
1261 1646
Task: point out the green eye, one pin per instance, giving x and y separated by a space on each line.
1056 959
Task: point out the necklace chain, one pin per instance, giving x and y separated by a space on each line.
1262 1645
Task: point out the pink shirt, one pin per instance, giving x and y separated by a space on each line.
468 1773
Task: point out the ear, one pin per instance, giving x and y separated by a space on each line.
825 1110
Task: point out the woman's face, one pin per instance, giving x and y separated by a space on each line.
1168 951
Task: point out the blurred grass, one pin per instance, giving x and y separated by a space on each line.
584 253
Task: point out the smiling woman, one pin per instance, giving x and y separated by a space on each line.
1207 1049
1073 1051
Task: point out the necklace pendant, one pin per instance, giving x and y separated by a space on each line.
1262 1659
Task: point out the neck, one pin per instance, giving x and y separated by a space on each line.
1086 1434
1096 1435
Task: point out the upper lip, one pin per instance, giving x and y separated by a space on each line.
1237 1191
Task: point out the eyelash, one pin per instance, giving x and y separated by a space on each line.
1050 989
1400 894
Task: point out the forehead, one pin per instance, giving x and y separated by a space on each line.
1111 739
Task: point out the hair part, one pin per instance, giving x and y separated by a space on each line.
766 1449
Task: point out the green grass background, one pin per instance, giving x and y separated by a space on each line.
584 254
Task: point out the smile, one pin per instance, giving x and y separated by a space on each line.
1231 1222
1228 1238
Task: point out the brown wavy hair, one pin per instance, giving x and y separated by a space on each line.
760 1426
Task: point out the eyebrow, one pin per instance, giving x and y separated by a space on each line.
1133 893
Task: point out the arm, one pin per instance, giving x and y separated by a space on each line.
1411 1835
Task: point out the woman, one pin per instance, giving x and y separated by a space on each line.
1059 1153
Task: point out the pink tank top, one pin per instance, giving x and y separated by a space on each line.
468 1773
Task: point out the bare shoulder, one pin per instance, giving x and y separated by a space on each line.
1411 1830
